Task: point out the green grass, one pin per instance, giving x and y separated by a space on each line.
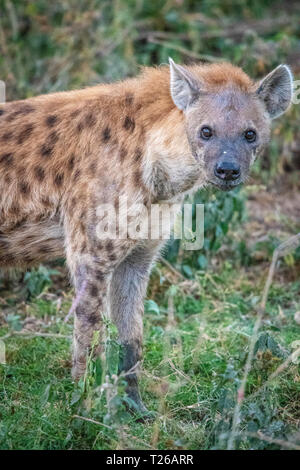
193 365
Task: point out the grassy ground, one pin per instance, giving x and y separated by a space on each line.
197 335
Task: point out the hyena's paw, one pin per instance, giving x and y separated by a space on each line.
136 406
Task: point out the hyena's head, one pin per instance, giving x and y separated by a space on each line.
227 116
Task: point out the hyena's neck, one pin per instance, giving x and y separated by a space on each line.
169 169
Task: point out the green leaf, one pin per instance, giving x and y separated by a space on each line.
152 307
202 261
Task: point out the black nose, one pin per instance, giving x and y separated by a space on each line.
227 171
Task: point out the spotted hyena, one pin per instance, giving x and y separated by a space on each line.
152 139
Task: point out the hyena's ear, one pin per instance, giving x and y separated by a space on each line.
184 86
276 90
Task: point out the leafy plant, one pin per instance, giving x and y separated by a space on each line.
222 210
37 280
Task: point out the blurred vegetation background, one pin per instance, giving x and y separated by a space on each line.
52 46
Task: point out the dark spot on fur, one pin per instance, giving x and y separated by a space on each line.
46 202
81 311
22 109
93 290
129 124
112 257
1 112
46 150
39 173
109 246
7 136
129 99
25 133
25 109
7 159
48 146
76 175
138 154
99 275
123 153
138 106
80 126
59 179
71 162
51 120
93 319
52 138
44 249
24 188
15 210
90 120
99 246
7 179
74 114
106 134
73 202
82 228
137 178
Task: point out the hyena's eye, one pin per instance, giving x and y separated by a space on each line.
250 135
206 132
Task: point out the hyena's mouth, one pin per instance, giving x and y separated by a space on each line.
226 185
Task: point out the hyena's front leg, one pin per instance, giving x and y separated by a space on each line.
91 262
90 272
127 291
91 285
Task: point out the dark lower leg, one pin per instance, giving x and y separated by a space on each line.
130 358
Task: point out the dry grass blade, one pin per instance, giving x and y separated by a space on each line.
76 301
93 421
186 52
